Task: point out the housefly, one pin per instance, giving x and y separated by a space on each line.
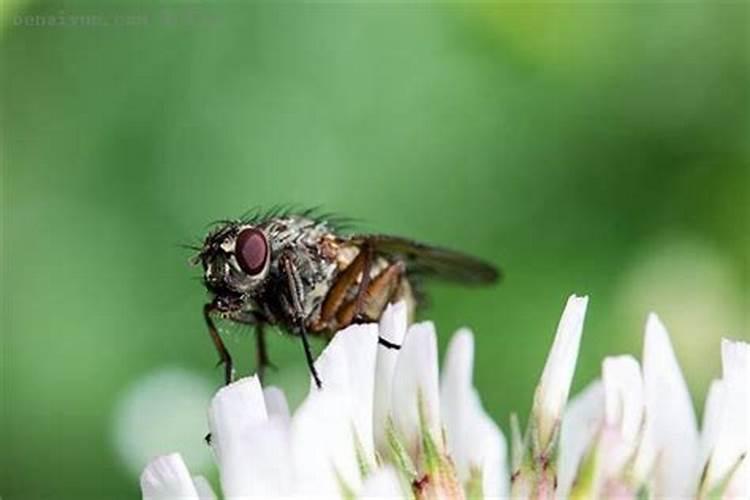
304 274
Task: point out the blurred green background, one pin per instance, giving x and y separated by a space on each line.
599 149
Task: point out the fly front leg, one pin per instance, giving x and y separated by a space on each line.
294 294
259 323
262 360
224 357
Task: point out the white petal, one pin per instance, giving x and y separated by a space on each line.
491 456
623 410
251 450
456 393
383 483
202 486
276 404
735 359
167 478
347 366
474 441
333 421
712 414
416 377
552 392
323 445
393 323
581 422
739 486
623 395
733 434
393 329
670 441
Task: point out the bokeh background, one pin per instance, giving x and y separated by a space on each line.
589 148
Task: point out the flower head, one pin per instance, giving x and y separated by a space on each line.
387 424
360 434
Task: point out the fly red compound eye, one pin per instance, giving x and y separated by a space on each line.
251 251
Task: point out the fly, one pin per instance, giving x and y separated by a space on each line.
304 274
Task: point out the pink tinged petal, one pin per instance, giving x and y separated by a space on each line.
167 478
733 433
618 489
415 379
670 440
554 386
203 487
332 429
581 423
393 325
623 394
384 483
251 450
623 403
474 441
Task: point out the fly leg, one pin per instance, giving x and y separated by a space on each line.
336 295
374 298
262 361
224 357
294 289
258 322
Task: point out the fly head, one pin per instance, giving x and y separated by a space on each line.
236 259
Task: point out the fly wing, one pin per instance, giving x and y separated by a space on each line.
428 260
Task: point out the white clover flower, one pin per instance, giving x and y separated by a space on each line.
387 424
379 427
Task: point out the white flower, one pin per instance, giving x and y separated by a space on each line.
360 435
386 424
